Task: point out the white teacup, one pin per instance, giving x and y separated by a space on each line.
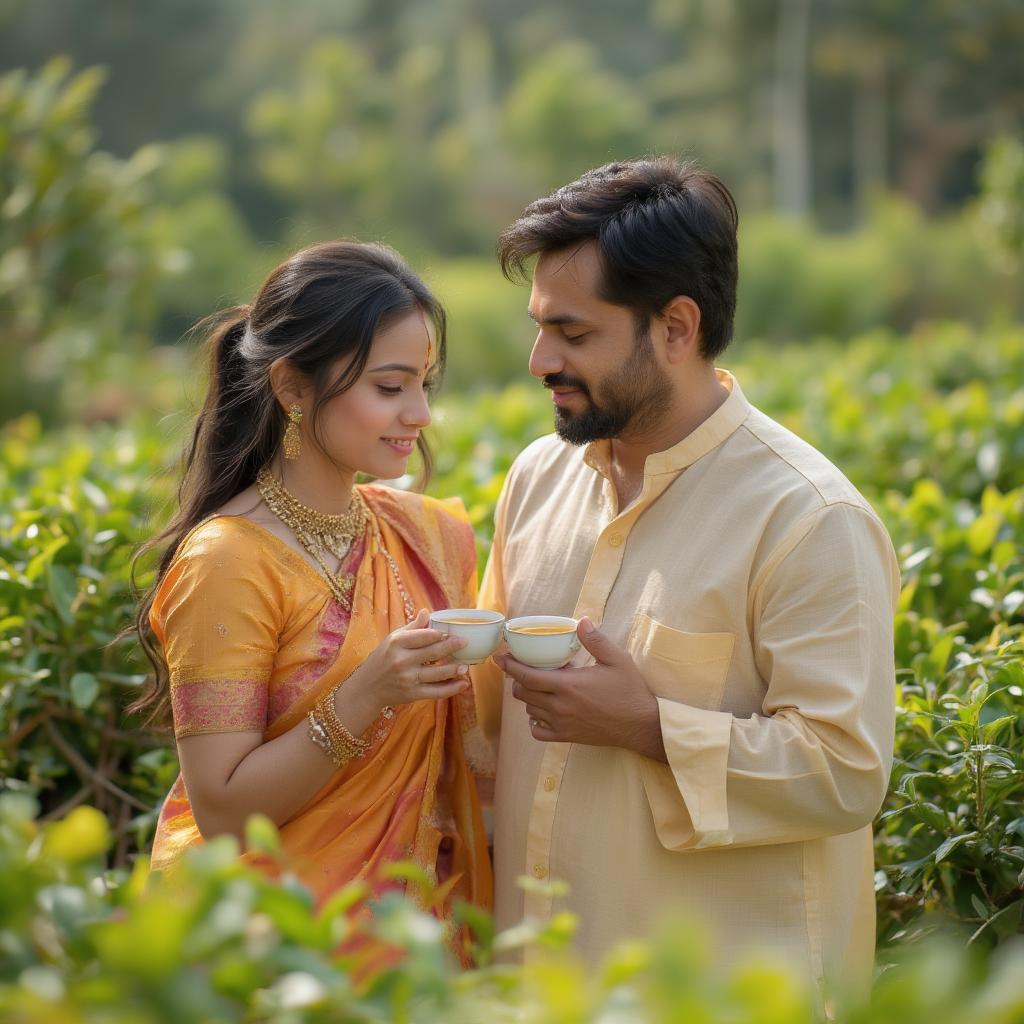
480 628
552 646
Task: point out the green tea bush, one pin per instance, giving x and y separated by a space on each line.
73 506
217 941
930 426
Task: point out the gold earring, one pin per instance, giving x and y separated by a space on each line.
292 440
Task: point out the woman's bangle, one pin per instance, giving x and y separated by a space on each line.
322 738
344 746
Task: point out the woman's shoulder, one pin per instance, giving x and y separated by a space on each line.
394 501
219 535
437 529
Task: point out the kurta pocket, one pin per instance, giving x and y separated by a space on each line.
687 667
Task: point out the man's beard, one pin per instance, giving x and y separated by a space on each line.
632 398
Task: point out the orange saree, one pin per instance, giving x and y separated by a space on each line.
253 637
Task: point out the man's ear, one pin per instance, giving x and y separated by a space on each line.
288 385
681 317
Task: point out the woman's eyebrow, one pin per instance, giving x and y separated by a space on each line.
395 367
402 368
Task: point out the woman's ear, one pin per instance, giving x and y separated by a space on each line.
681 317
287 384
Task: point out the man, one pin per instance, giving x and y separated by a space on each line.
725 742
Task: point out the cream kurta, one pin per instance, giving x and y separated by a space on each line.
755 589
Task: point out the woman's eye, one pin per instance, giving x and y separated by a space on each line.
387 390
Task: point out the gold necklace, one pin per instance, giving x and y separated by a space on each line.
319 533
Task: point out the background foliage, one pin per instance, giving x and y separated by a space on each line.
157 160
930 426
218 941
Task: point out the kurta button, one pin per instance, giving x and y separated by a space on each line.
539 871
550 782
615 540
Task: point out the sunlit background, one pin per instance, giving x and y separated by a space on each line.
159 157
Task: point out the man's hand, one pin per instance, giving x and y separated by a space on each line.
607 704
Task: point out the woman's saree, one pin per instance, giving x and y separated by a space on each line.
253 638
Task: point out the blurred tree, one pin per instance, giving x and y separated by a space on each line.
1002 202
567 113
348 145
807 105
92 247
77 266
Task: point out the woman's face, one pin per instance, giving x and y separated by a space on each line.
373 426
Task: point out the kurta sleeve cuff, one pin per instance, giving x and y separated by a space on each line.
688 795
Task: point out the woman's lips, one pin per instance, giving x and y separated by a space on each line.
402 446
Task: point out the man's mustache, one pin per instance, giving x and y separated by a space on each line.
563 380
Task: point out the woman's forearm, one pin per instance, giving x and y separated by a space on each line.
276 778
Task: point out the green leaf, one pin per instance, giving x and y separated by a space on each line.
96 497
36 566
63 590
991 731
981 534
261 835
84 689
1007 922
944 849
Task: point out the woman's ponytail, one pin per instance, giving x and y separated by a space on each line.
236 432
321 307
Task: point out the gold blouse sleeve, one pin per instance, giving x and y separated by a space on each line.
218 614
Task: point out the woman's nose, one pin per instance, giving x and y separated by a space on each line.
417 412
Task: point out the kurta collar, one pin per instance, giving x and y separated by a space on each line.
718 427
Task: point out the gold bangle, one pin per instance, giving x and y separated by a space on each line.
346 745
320 736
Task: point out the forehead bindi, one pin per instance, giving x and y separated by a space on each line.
408 345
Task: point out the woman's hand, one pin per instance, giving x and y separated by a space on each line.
412 663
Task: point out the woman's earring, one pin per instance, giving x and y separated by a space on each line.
292 440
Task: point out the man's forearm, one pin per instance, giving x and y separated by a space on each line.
643 734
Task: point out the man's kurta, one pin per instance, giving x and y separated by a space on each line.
755 589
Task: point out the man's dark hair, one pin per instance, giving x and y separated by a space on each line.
663 228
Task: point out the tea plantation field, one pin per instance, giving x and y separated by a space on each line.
929 426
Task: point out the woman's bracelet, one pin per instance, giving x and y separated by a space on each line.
330 733
319 735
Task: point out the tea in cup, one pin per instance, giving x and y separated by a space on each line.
542 641
481 629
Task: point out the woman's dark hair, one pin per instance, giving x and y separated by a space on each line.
663 228
319 306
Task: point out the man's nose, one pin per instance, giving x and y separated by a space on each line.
544 358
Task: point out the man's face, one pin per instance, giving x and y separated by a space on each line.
597 360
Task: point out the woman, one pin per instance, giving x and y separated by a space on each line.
288 623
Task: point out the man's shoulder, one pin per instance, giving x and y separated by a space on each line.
546 451
544 467
548 454
796 468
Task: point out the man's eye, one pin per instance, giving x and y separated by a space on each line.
576 337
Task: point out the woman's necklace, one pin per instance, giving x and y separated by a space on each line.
319 533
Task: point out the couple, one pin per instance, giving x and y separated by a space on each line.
722 743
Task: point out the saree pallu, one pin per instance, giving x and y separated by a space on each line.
253 638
